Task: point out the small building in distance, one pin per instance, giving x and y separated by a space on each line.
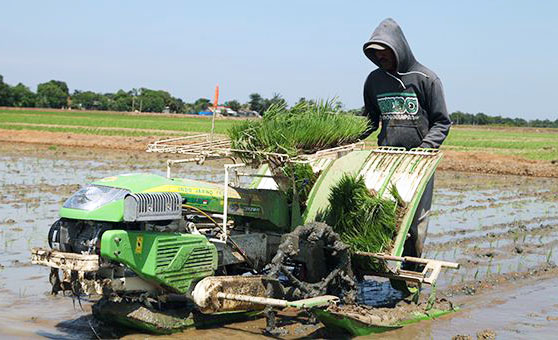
225 111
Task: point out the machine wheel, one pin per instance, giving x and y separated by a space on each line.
327 273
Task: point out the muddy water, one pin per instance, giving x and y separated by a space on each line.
492 225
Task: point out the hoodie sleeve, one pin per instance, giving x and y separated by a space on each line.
438 117
371 111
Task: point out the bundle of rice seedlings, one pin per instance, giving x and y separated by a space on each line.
364 221
303 177
305 128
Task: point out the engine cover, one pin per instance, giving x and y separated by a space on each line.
173 260
153 206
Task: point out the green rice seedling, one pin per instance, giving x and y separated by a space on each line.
549 256
489 268
431 298
451 279
364 221
305 128
303 177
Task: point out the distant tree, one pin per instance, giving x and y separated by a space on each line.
357 112
338 105
277 99
152 103
256 103
53 94
22 96
302 100
5 93
481 119
457 117
87 100
202 104
233 104
521 122
177 105
189 108
121 101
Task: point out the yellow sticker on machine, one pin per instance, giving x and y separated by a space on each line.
194 191
139 244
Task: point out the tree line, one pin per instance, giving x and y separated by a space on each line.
462 118
55 94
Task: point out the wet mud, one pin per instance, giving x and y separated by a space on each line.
503 230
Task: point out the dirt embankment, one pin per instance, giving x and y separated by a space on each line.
453 160
488 163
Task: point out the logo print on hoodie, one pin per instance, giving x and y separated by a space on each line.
401 106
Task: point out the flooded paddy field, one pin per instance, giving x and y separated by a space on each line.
503 230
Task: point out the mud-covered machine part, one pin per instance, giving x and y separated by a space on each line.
321 260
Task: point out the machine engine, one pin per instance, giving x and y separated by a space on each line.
77 236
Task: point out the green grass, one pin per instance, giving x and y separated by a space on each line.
529 143
541 144
86 131
113 120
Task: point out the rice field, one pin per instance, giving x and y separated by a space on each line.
529 143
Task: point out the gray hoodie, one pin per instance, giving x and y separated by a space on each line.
410 103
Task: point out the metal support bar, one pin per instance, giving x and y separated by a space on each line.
428 275
317 301
170 162
254 299
226 196
65 261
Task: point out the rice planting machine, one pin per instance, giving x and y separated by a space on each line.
165 253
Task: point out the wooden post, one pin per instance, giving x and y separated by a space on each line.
215 103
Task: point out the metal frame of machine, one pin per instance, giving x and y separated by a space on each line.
180 261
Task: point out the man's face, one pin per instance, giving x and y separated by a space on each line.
386 58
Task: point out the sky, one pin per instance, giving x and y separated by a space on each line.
496 57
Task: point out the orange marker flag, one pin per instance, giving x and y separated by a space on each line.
216 100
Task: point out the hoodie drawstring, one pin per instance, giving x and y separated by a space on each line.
399 80
411 72
404 74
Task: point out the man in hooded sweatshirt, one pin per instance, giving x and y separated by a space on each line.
409 101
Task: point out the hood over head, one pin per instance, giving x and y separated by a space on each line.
390 34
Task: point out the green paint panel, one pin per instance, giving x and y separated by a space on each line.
172 260
358 328
268 205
